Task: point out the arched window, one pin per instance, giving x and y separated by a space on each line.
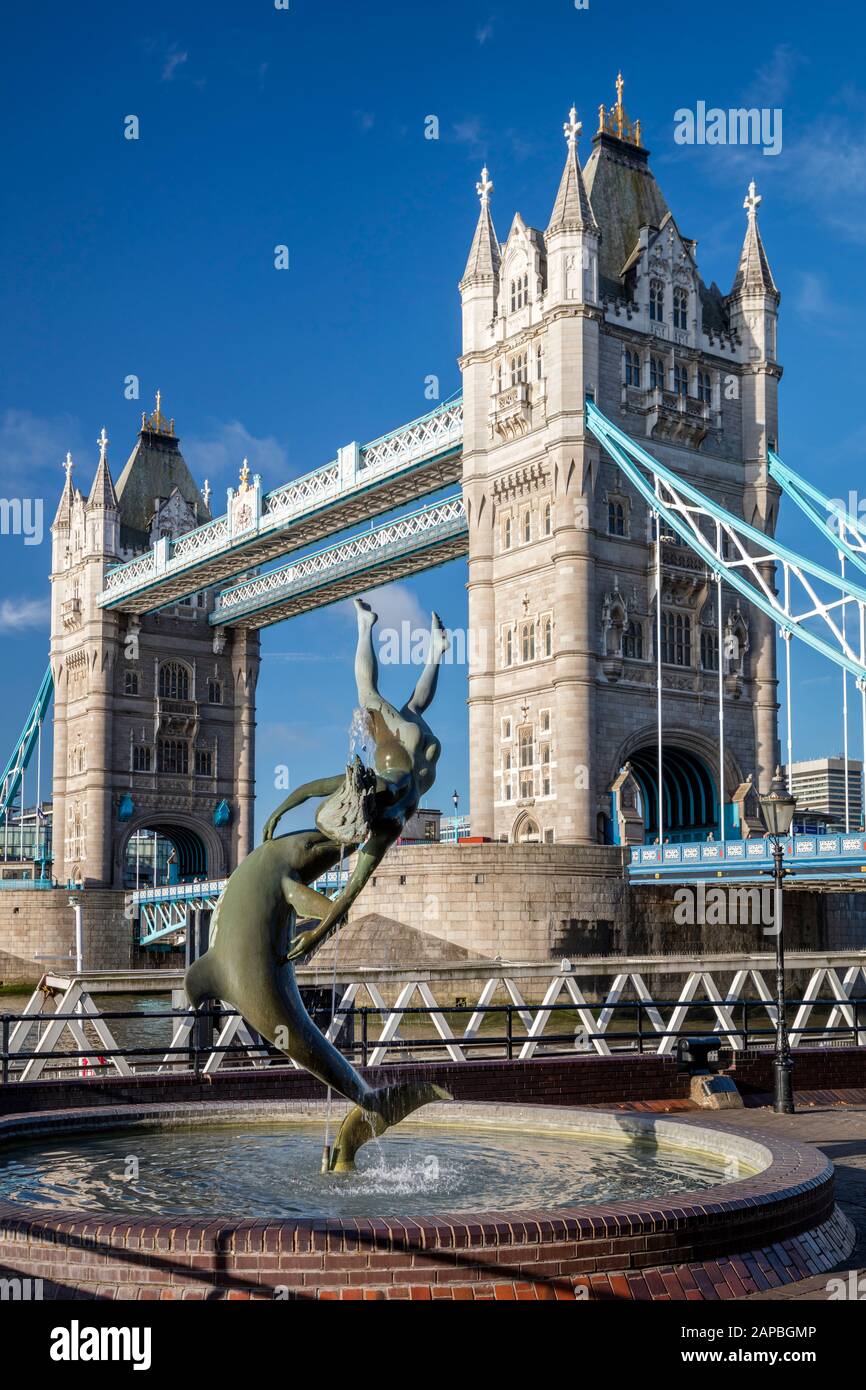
506 774
506 534
632 368
676 639
174 756
657 301
528 832
527 527
525 760
709 650
545 770
519 291
539 361
657 374
173 681
140 758
548 637
519 368
681 380
705 388
527 642
548 519
615 519
632 642
214 692
681 308
509 648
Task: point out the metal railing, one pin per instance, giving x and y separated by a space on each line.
361 1032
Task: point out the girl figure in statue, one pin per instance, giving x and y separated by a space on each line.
254 937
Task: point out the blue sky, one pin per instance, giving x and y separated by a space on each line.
306 127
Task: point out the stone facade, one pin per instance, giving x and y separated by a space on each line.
531 902
154 717
608 302
37 933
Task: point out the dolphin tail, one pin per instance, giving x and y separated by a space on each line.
388 1106
201 982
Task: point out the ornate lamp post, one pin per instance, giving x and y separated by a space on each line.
778 810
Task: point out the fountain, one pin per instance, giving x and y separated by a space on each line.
490 1198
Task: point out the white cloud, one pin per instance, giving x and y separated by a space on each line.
773 79
18 614
174 59
484 32
812 299
469 132
395 605
218 455
32 449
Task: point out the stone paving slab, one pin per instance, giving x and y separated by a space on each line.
835 1122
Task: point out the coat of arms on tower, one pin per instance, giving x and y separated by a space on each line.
243 502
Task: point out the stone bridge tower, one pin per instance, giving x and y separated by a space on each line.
154 716
608 301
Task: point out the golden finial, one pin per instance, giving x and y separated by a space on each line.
615 121
157 424
245 476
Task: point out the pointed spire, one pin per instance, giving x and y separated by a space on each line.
753 271
64 508
484 254
102 492
572 211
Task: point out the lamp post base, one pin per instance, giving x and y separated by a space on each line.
783 1102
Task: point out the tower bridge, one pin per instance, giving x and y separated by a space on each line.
409 463
614 447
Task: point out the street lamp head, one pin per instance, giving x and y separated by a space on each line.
455 798
778 806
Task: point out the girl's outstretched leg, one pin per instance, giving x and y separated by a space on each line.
366 666
425 689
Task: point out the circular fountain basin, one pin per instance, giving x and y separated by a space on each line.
273 1169
488 1199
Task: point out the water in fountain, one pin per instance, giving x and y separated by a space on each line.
326 1150
361 742
270 1169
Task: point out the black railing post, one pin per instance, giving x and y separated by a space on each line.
509 1033
5 1036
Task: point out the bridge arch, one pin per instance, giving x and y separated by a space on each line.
195 850
690 782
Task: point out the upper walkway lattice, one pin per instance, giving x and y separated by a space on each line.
362 482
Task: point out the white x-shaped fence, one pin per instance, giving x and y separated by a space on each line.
62 1015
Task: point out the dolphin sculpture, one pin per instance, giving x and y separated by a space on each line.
254 936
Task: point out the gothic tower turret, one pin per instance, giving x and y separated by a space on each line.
154 715
479 290
563 555
754 311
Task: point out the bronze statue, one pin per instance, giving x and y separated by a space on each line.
254 935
